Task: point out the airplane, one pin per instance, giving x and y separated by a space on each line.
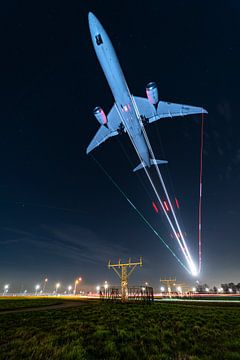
129 113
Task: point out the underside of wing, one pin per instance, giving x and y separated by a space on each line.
164 109
113 128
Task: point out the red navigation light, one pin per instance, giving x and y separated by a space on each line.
154 207
177 203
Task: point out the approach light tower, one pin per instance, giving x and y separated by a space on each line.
124 274
169 283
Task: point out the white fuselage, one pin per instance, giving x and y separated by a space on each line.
116 80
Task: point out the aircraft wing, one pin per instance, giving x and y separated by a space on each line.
104 132
164 109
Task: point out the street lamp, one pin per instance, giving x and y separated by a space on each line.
162 288
44 284
37 287
6 288
57 287
77 281
98 288
69 288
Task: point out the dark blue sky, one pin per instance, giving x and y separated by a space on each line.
60 215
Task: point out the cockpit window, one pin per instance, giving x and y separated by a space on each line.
98 39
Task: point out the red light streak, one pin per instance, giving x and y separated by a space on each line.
166 205
177 203
155 207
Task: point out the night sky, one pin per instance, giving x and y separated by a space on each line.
61 216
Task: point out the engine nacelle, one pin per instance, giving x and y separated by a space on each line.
152 93
100 115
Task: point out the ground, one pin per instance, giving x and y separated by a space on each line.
104 330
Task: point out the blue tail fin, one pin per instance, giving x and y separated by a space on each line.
152 161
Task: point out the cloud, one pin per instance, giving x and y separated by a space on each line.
67 241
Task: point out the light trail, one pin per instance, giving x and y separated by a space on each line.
184 247
200 200
139 213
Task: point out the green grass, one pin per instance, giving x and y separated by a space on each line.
19 303
102 330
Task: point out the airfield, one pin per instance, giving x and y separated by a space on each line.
73 327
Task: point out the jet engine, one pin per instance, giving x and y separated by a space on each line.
152 93
100 115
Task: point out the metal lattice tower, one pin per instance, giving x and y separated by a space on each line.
124 274
169 283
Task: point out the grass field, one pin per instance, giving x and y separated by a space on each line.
20 303
100 330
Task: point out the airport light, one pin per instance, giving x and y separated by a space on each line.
44 284
105 285
77 281
6 288
57 286
37 287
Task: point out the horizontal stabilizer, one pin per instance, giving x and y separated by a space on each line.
158 162
152 162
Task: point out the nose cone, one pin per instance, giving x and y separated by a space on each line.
93 22
91 17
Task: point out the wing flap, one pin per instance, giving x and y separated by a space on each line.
165 109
